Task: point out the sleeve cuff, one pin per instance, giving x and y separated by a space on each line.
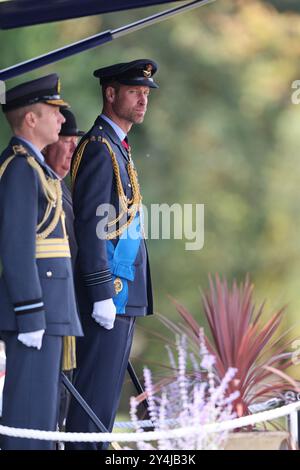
28 306
30 315
31 322
97 278
101 291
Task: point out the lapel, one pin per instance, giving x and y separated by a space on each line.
15 141
112 135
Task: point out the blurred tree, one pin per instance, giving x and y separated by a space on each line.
287 5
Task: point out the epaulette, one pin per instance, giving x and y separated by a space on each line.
92 137
19 150
95 138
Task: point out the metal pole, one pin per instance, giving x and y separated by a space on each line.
55 56
99 425
117 33
14 14
94 41
70 387
137 385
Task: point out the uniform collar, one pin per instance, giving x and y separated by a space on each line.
107 127
120 133
34 151
33 148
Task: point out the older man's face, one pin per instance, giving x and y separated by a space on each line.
59 155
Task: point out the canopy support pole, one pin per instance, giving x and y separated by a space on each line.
94 41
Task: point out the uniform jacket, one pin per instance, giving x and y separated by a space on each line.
94 185
68 209
34 293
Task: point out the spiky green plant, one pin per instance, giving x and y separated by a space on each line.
241 339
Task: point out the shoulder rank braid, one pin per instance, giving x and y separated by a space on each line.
128 206
46 247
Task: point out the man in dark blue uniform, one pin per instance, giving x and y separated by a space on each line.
112 274
37 301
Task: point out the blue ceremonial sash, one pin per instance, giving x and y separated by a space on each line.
121 260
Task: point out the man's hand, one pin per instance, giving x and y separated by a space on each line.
32 338
104 313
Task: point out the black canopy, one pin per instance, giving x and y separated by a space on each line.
16 13
57 10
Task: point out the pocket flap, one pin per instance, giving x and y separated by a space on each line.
54 272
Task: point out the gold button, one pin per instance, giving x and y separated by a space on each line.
49 273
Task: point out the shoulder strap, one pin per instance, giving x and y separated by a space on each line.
77 160
17 149
79 154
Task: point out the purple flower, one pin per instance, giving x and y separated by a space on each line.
208 361
188 401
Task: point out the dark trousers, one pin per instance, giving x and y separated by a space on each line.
102 359
31 390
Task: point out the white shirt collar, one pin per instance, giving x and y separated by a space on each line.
37 153
33 147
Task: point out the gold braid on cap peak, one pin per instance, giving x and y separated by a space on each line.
128 206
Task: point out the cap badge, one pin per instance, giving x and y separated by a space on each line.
148 71
58 86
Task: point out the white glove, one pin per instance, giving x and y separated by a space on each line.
32 338
104 313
